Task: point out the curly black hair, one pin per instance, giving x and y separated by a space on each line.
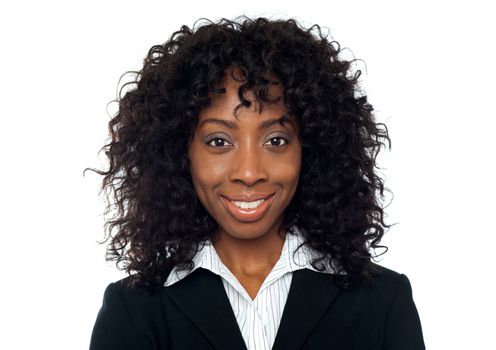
159 220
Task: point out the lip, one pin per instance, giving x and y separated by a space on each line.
247 215
249 198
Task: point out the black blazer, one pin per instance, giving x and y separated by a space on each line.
195 313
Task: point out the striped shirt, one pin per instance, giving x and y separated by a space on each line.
258 319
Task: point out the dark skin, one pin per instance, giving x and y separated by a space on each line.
250 159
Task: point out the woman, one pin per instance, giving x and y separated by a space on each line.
242 164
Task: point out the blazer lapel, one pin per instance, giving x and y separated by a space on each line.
310 295
202 297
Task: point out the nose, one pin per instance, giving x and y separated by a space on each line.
249 166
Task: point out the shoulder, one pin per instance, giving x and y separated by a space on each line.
117 297
113 328
117 288
384 286
125 286
120 298
388 282
124 289
125 315
386 278
390 291
391 299
123 302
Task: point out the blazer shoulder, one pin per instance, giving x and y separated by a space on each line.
113 328
120 295
134 302
125 288
391 298
126 315
388 285
386 277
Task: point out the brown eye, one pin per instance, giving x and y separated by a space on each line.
278 138
218 142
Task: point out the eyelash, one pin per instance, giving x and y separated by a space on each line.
275 137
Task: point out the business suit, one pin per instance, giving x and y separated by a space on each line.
195 314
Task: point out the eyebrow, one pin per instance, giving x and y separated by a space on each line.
234 126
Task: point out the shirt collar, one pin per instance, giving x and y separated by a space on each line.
207 258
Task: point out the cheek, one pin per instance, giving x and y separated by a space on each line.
289 170
201 182
208 170
206 179
292 178
291 175
206 173
195 169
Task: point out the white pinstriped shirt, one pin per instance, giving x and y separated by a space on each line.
258 319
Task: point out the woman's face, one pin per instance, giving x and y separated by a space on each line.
246 159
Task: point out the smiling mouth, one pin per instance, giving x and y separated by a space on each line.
247 211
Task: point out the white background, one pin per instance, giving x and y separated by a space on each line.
430 73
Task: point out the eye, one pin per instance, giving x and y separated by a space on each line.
279 138
217 144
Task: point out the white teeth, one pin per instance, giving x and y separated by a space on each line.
248 205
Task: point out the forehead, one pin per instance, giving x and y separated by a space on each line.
223 105
284 120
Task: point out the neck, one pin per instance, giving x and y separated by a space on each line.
250 257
